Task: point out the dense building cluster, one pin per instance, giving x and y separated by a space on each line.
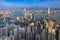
30 29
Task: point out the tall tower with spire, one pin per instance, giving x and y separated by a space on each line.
48 11
25 13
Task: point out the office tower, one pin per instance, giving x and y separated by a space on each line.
53 34
33 16
44 35
28 35
8 38
34 29
48 14
11 38
7 26
4 33
20 32
34 32
23 33
19 36
0 32
25 13
15 34
48 11
17 19
28 29
11 35
37 37
30 15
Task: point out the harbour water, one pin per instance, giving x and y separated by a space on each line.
19 14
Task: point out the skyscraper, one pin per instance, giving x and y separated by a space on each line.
48 11
25 13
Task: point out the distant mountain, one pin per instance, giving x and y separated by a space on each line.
28 8
41 8
36 8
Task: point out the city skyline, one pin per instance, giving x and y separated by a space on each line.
29 3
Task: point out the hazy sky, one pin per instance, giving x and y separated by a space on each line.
28 3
